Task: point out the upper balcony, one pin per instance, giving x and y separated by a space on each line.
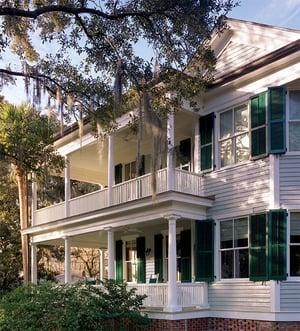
110 162
131 190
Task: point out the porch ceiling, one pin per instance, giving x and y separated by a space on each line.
89 163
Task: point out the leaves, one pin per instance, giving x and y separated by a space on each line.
27 138
79 45
73 307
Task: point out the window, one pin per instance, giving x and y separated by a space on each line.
130 170
234 248
234 135
294 121
255 246
295 244
131 260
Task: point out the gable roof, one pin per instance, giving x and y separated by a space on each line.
246 45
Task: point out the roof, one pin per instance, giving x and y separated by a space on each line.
246 46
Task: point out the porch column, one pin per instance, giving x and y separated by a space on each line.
101 264
111 253
67 260
171 151
33 263
34 198
111 169
172 266
67 186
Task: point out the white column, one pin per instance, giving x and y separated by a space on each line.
34 198
101 263
172 266
33 263
196 149
275 296
67 187
171 151
111 253
193 241
274 182
67 260
111 169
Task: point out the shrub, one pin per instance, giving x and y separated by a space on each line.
78 307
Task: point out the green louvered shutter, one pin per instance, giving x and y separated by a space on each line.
141 259
276 120
158 255
119 260
204 252
258 111
206 141
277 244
258 247
185 260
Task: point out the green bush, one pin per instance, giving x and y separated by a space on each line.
108 307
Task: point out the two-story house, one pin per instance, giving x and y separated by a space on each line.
222 234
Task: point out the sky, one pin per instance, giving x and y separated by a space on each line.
282 13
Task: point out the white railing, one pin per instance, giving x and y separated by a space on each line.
49 214
188 182
188 295
88 202
141 187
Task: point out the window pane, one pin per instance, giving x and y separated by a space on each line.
226 152
227 264
227 234
295 228
226 124
242 147
295 260
241 119
242 263
294 134
294 105
241 232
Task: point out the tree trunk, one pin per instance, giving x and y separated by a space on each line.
23 222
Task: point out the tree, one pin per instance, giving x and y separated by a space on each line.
89 257
97 54
10 241
26 140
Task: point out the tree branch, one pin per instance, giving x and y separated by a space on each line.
34 14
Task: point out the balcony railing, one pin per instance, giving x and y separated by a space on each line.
188 295
141 187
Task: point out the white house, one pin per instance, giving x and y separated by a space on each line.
223 232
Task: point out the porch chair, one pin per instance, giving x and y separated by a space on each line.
153 278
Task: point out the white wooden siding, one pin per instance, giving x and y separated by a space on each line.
290 296
236 55
239 296
242 188
290 180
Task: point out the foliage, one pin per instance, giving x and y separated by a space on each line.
113 47
10 243
26 141
27 137
72 307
